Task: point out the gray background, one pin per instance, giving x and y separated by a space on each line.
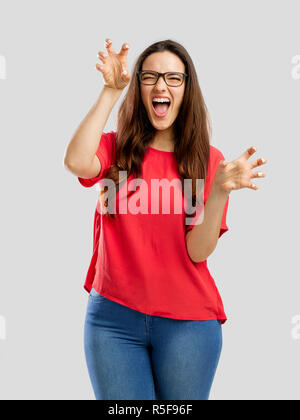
243 53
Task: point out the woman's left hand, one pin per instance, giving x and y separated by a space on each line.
238 173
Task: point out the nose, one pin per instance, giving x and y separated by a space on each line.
161 82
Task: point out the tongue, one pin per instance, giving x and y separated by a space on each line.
161 108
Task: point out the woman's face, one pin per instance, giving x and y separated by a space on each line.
163 62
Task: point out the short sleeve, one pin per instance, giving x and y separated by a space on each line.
215 157
106 156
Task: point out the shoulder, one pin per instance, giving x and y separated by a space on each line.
110 136
107 142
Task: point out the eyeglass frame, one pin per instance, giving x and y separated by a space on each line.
139 73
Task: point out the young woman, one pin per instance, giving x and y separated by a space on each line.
154 320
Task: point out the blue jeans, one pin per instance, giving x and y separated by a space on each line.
134 356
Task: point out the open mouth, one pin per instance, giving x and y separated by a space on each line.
161 108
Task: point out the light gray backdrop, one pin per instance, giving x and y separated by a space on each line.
247 55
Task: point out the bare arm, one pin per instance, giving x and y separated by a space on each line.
80 157
203 238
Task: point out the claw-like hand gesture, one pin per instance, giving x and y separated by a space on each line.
114 68
238 173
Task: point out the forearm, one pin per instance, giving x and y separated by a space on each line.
84 144
202 239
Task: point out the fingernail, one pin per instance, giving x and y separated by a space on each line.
254 148
263 160
124 72
126 46
260 174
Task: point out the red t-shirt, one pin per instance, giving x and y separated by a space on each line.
141 260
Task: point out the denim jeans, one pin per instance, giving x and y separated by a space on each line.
134 356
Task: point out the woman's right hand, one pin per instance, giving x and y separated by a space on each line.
113 67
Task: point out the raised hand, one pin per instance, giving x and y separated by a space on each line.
114 68
238 173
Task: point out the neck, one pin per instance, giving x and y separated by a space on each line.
163 140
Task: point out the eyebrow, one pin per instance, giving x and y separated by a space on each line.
170 71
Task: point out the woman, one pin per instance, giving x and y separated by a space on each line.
154 320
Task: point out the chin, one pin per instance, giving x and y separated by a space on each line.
160 125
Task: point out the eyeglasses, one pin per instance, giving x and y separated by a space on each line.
173 79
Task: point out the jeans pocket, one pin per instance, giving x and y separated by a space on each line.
95 296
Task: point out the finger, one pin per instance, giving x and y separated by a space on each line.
253 186
249 152
99 67
102 56
258 162
124 51
108 46
258 175
224 163
125 73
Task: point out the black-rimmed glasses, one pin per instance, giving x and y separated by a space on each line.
173 79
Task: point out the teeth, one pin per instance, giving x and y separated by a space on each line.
161 100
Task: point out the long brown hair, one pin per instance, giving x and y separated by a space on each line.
135 132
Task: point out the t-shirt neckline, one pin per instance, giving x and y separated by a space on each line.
159 151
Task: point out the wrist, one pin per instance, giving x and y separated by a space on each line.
111 90
110 95
217 190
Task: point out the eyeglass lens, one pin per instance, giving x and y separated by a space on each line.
172 79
